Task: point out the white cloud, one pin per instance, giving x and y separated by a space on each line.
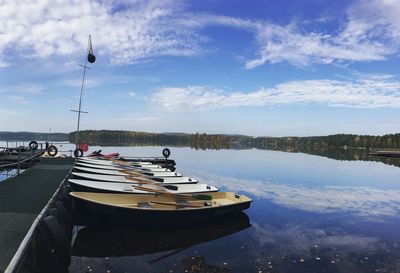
142 29
289 44
26 89
374 91
371 33
3 64
138 119
19 99
89 83
6 112
125 32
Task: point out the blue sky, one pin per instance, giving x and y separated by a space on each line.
263 68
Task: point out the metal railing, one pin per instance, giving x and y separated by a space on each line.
21 158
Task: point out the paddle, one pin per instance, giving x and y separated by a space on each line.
132 172
130 164
178 204
153 190
161 190
140 180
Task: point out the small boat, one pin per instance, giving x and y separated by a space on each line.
159 209
99 154
132 179
127 172
121 168
112 162
165 163
101 186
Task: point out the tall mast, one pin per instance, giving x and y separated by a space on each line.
91 59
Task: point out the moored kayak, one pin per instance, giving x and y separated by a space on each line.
101 186
127 172
112 162
132 179
121 168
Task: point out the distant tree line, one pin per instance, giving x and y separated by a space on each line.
213 141
129 138
134 138
28 136
221 141
324 142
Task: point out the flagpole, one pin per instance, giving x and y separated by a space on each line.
80 105
91 58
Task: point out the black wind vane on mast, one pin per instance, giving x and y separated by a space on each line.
91 59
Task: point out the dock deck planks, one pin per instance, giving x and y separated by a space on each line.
23 197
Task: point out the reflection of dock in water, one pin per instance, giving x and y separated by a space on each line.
96 242
386 153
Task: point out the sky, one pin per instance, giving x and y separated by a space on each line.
257 67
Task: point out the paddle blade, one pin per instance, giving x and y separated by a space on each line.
202 197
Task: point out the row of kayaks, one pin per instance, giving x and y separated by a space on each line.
142 192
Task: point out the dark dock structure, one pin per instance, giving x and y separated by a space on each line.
386 153
22 199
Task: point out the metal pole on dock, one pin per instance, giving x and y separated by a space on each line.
91 59
80 106
19 162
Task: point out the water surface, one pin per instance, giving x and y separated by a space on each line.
309 214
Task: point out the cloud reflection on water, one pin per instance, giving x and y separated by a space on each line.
300 239
331 249
367 202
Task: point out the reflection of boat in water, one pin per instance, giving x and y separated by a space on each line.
97 242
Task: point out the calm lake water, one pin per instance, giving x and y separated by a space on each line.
309 214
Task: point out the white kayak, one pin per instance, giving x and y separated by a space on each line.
143 188
127 179
111 162
127 172
121 168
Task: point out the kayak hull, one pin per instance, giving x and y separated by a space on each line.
110 187
126 179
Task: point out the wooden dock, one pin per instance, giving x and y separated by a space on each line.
23 197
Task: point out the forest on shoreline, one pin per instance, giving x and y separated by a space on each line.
223 141
213 141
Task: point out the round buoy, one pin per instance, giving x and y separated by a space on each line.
33 145
78 153
52 150
91 58
166 152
